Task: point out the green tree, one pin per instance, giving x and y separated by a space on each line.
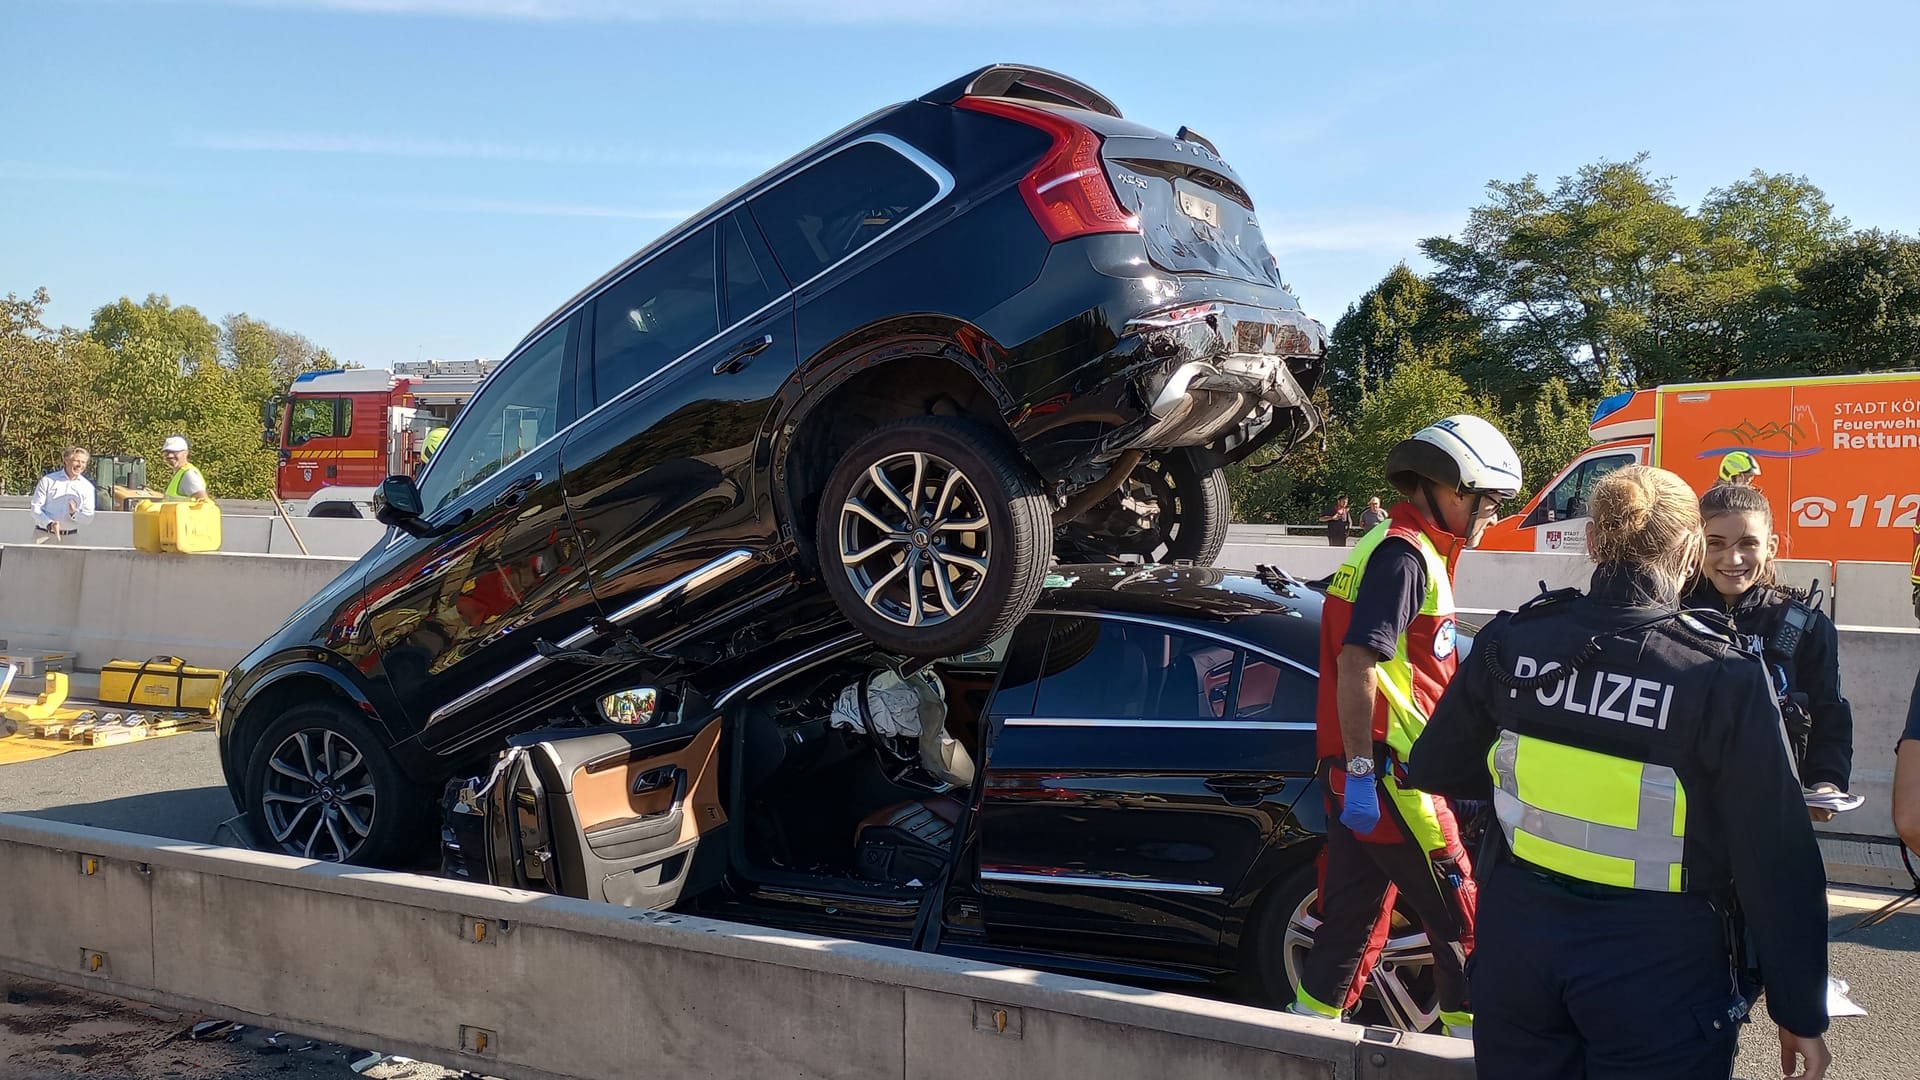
1854 309
1402 319
1565 280
1547 432
1777 223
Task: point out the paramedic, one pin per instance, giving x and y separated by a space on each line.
1387 651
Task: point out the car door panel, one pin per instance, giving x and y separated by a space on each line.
627 811
1128 833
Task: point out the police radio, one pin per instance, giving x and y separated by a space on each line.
1794 622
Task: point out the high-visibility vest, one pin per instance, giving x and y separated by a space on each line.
1407 686
1592 816
179 474
1424 661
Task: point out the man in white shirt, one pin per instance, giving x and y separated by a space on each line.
63 498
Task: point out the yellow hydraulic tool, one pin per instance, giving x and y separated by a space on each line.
43 707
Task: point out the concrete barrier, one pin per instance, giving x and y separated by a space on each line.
111 603
239 533
1877 666
1875 593
522 985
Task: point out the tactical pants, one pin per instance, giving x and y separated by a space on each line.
1359 883
1582 984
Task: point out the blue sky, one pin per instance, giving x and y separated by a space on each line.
402 179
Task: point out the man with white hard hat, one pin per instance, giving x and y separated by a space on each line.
187 483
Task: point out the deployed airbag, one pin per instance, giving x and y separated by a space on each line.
912 710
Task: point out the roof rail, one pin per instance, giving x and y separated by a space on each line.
1024 83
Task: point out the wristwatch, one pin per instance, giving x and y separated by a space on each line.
1359 765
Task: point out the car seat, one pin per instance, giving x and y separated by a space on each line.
908 842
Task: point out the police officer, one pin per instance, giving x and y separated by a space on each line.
1786 628
1386 653
1640 782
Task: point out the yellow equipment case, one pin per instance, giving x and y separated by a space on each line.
164 682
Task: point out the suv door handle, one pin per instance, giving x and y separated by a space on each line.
516 492
738 361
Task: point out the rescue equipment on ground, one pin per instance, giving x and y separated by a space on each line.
161 682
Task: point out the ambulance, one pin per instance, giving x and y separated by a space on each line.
1839 461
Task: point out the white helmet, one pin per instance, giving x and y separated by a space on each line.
1465 453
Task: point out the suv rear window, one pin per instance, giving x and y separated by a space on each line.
835 208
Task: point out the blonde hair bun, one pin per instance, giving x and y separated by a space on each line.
1647 517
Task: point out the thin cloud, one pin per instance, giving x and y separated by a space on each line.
836 12
944 13
307 142
547 209
1375 234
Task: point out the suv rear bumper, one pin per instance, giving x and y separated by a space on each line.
1223 373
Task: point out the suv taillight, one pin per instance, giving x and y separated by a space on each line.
1068 190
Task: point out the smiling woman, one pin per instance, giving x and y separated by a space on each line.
1785 627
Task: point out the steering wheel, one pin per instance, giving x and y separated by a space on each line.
899 768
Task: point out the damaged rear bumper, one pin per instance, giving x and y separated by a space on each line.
1230 377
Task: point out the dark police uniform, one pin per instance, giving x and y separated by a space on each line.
1641 783
1819 718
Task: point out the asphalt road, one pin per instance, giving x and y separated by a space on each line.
172 787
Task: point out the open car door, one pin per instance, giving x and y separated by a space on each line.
618 815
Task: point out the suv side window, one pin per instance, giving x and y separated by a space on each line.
1102 669
840 205
517 411
319 418
654 315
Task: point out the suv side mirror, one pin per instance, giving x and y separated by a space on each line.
397 503
397 500
634 707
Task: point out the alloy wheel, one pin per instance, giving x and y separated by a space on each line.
1400 986
914 539
318 796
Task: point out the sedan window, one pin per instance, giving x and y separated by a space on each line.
1270 690
1107 669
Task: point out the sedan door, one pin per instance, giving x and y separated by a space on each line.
626 815
665 476
1124 805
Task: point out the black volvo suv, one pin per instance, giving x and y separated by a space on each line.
911 365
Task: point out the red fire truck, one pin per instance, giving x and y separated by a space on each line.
341 432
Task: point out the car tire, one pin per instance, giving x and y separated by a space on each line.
1264 978
1195 511
898 568
320 784
1282 935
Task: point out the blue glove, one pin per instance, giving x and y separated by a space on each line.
1361 811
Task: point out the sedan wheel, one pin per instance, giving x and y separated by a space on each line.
915 540
1400 991
319 798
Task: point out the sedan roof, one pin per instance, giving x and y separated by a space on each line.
1267 607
